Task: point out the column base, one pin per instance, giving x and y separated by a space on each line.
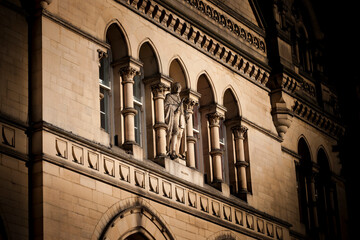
134 149
242 194
222 187
161 160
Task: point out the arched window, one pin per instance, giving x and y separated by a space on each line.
105 89
177 73
141 224
138 105
111 65
232 118
145 118
304 180
206 100
326 199
301 49
236 157
136 236
304 60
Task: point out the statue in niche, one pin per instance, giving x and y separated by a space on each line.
175 121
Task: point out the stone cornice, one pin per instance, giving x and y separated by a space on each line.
212 12
301 87
318 119
230 57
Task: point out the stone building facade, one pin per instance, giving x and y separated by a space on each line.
88 152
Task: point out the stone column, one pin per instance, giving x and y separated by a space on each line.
190 139
216 152
240 163
127 74
158 91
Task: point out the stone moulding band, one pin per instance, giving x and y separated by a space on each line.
229 23
318 120
134 176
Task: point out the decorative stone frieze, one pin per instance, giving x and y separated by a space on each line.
139 177
317 119
205 43
230 24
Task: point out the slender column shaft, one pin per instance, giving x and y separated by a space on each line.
241 163
160 126
190 139
216 153
128 74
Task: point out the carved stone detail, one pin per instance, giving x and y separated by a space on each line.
159 90
154 184
61 148
214 119
139 179
195 36
124 172
8 135
109 167
229 23
93 160
128 73
239 131
78 154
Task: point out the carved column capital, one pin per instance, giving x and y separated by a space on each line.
214 118
128 73
159 90
189 104
239 131
102 54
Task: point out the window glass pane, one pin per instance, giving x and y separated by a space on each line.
138 123
104 76
137 88
196 118
104 108
222 133
197 147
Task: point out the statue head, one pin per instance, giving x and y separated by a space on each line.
176 88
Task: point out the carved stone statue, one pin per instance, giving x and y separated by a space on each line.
175 121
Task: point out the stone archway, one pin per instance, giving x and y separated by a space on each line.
130 219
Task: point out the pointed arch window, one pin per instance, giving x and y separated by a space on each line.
105 90
326 199
138 105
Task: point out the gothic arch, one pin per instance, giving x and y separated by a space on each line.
321 151
231 90
177 67
155 51
124 38
224 235
212 90
129 216
149 56
303 138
